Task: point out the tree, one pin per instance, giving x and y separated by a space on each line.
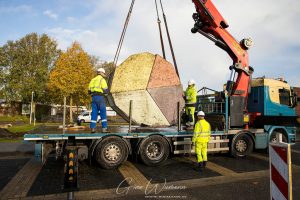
71 75
108 66
25 66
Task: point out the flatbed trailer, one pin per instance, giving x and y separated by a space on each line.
153 147
112 149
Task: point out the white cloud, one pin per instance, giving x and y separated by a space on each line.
274 28
50 14
71 19
15 9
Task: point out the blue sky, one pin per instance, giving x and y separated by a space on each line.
97 24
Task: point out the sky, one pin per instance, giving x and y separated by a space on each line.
274 27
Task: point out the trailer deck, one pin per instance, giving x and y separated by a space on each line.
84 136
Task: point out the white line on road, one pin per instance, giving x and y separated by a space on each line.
295 151
21 183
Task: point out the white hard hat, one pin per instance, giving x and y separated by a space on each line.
191 82
101 70
201 113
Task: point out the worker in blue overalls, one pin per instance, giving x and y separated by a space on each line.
98 89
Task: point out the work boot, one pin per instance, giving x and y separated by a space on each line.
104 130
199 166
93 130
204 164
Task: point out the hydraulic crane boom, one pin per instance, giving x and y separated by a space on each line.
210 23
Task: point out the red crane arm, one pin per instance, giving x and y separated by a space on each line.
210 23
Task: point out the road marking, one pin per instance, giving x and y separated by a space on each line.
132 175
15 157
203 182
21 183
212 166
295 151
259 156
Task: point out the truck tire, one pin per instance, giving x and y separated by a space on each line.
241 145
111 152
154 150
273 137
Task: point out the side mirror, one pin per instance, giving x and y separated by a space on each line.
294 100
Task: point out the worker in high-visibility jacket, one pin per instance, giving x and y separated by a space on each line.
190 97
200 140
98 89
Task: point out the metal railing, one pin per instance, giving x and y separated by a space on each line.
212 107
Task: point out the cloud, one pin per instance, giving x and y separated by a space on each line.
15 9
71 19
50 14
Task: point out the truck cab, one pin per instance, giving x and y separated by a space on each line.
271 97
270 110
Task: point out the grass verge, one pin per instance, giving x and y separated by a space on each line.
16 118
11 140
21 129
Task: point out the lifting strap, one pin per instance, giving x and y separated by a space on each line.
123 34
160 33
161 38
169 39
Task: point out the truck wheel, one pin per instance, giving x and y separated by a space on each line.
111 152
273 137
241 145
154 150
82 121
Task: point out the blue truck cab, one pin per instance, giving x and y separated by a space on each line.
271 111
271 104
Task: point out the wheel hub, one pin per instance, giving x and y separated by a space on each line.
241 146
153 150
112 152
274 140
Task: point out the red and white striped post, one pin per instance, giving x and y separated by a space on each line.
280 171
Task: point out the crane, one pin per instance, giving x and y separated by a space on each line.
211 24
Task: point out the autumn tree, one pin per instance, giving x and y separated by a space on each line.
25 66
71 75
109 67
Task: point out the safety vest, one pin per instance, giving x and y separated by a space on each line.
201 131
98 84
191 96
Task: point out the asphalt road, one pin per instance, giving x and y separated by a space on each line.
224 178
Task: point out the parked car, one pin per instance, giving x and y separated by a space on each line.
85 117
